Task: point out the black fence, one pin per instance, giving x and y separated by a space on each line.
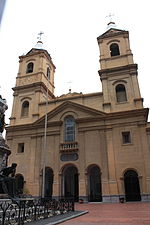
26 210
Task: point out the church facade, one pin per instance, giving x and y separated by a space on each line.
95 146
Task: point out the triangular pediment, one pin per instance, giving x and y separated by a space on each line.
112 32
68 107
37 51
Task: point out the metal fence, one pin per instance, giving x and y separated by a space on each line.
27 210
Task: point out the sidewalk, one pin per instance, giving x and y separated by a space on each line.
112 214
58 219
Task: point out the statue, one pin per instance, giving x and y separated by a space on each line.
4 149
3 108
11 170
7 180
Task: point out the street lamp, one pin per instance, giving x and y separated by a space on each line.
45 137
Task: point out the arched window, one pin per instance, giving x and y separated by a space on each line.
30 67
121 93
48 73
114 49
25 109
69 134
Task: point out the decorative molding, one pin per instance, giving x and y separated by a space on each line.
24 98
119 81
12 118
29 60
106 104
114 40
35 114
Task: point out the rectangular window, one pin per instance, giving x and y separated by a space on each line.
20 147
126 137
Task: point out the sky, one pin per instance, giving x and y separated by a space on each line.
71 28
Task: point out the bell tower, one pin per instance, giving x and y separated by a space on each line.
35 81
118 71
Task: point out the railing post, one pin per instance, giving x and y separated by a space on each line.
19 219
72 204
24 210
35 205
3 220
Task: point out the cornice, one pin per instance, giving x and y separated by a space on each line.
131 68
32 126
115 57
105 118
129 113
32 86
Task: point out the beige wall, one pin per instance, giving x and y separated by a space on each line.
100 143
100 121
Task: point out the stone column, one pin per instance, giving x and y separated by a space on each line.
113 186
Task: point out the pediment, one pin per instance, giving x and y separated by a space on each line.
37 51
70 108
112 32
33 51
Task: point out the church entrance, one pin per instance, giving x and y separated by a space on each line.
132 187
94 184
48 182
71 183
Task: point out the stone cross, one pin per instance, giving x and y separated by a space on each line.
40 35
110 16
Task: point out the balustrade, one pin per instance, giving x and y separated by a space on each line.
69 147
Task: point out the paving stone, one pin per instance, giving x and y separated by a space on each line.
113 214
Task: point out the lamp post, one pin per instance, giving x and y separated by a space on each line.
45 138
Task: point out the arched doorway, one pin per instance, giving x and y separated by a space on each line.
70 182
132 187
19 183
94 184
48 182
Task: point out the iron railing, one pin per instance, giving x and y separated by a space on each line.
18 212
